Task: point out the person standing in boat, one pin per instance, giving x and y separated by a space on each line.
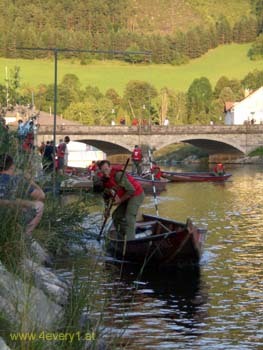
127 194
219 169
137 160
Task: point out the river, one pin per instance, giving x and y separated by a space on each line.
220 304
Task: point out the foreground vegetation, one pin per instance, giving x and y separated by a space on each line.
59 231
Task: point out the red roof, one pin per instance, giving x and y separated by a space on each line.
228 105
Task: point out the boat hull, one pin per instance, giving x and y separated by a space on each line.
148 184
194 177
171 244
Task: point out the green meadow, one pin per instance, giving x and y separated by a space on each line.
229 60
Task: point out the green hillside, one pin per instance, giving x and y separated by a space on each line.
229 60
167 16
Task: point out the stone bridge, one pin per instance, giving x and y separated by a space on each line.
235 139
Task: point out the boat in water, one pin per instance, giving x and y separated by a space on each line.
159 242
147 184
194 176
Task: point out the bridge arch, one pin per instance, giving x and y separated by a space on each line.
108 147
211 146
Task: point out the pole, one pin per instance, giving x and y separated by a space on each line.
112 201
153 185
7 86
55 118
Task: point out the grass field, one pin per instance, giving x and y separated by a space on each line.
230 60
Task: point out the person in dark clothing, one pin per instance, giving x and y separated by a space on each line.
48 158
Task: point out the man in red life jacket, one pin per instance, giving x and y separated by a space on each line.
128 196
219 169
136 160
156 171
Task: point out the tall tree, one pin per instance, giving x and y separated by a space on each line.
138 97
199 98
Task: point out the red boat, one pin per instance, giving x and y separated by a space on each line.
160 243
194 176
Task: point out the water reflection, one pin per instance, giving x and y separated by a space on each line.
161 307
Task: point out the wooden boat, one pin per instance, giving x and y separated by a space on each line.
160 243
194 176
147 184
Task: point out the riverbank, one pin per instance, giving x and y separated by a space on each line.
47 301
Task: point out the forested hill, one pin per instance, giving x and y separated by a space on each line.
174 30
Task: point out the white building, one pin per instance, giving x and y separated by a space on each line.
251 107
81 155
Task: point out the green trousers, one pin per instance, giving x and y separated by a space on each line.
136 167
124 217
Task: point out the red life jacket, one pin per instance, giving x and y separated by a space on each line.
111 182
156 171
137 154
219 168
61 150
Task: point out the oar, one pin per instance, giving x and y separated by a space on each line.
153 184
112 202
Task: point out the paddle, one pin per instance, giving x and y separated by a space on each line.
108 210
153 184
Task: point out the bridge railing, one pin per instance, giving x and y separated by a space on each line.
154 129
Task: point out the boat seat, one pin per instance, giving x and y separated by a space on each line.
145 223
144 234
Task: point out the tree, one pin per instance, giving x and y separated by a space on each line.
253 80
92 91
14 84
137 98
131 55
103 111
223 31
245 30
112 95
256 50
199 98
82 112
220 84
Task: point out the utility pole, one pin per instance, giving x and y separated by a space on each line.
7 86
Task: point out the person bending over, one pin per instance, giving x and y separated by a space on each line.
128 196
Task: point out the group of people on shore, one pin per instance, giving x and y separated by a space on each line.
54 155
